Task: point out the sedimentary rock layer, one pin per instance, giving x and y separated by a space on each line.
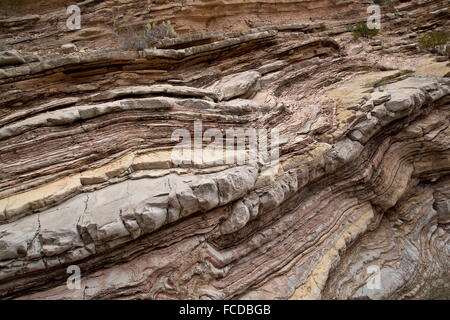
355 177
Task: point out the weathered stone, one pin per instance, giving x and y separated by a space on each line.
239 216
10 57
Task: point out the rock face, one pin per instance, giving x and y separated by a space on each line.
345 193
10 57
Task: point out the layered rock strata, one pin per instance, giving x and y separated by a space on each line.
93 175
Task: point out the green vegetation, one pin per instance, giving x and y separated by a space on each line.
148 37
434 41
154 31
362 30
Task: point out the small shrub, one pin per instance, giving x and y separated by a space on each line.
390 3
434 41
148 37
362 30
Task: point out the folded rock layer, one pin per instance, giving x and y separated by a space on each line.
343 194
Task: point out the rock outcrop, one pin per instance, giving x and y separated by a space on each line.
355 178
